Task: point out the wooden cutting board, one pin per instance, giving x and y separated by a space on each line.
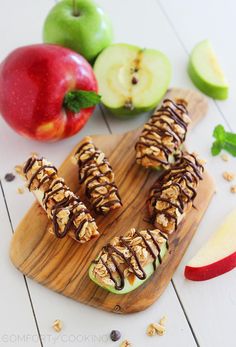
62 264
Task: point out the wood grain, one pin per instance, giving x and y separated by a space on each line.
62 264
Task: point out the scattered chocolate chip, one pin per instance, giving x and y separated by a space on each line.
134 80
9 177
115 335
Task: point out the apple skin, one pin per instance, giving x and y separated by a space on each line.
202 58
33 82
217 255
88 33
214 91
207 272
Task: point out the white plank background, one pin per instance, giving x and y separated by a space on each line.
199 314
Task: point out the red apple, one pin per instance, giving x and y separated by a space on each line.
217 256
34 85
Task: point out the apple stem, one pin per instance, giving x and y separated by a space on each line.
75 10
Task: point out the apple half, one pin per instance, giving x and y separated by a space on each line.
133 282
205 71
131 80
217 256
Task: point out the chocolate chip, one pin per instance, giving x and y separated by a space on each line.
134 80
9 177
115 335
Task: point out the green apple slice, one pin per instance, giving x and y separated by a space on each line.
136 282
131 80
205 71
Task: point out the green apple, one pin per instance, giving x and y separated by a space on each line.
128 287
131 80
80 25
205 72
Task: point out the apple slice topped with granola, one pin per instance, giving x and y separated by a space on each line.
97 177
67 212
128 261
172 195
163 135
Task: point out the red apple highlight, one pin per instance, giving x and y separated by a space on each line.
217 256
34 84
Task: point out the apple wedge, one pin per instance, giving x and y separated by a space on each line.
205 71
128 261
132 283
131 79
217 256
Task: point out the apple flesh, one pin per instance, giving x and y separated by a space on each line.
80 25
205 72
131 80
217 256
136 282
34 81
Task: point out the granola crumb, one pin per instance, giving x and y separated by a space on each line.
156 328
160 329
163 320
151 331
73 160
57 325
19 169
125 343
20 190
228 176
224 157
34 154
233 189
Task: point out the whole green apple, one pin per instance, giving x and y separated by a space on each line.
80 25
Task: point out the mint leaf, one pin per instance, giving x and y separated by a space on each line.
219 133
216 148
230 138
224 140
79 99
230 148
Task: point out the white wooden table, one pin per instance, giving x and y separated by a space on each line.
199 314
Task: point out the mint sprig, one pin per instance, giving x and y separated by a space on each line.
223 140
78 99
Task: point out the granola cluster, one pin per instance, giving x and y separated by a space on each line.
96 174
163 135
125 257
68 214
155 329
173 194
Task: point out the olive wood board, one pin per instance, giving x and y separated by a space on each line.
62 264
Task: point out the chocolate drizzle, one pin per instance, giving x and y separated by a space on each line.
182 181
51 186
28 166
70 223
163 134
129 261
95 172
